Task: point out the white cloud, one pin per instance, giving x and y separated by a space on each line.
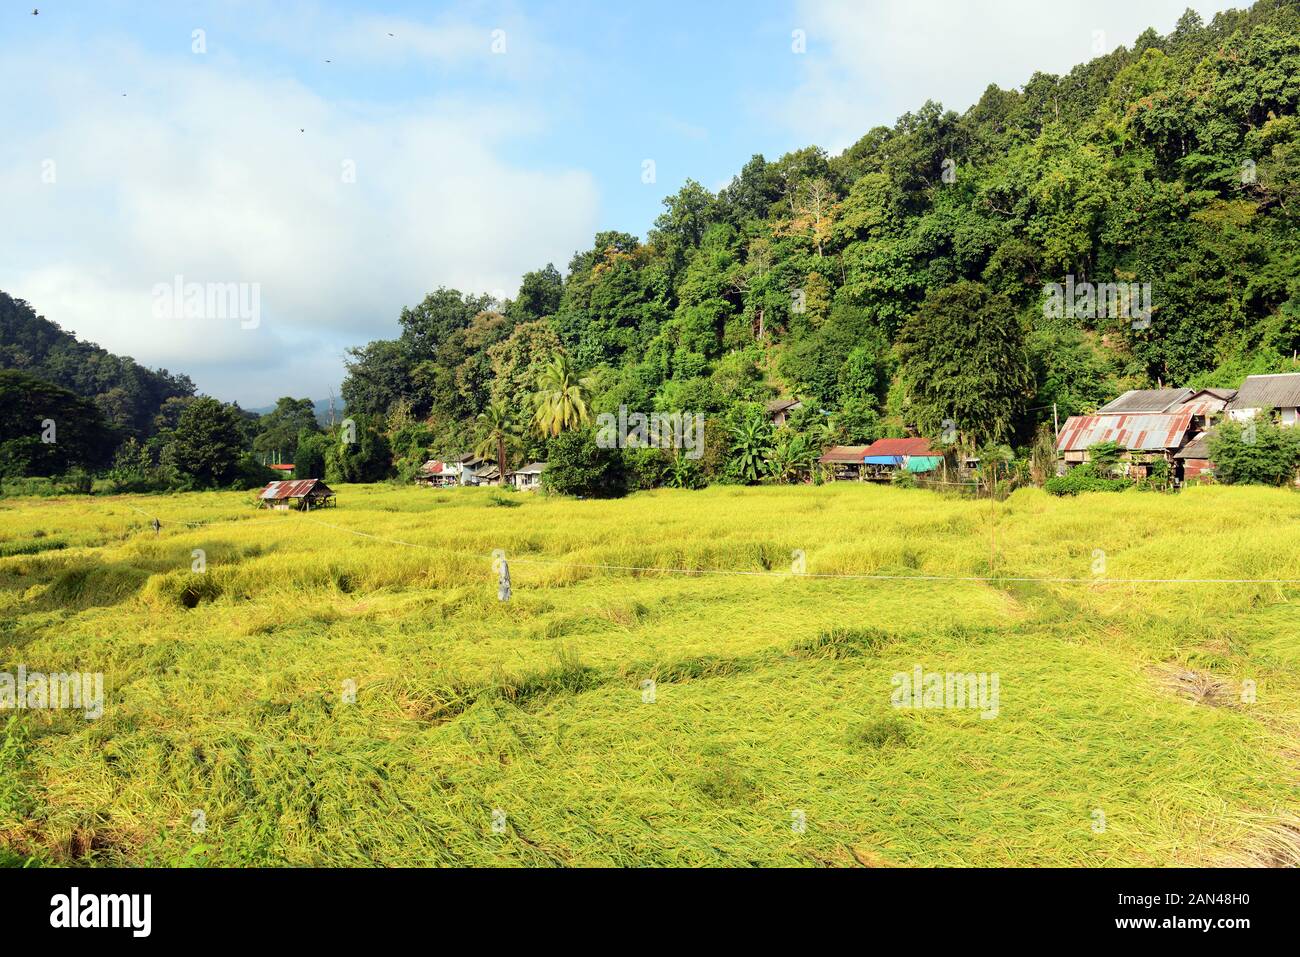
869 62
202 171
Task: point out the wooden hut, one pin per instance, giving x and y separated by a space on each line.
302 494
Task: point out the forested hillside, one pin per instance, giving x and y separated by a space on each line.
129 395
902 283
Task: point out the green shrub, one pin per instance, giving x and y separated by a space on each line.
578 466
1081 480
1256 453
902 478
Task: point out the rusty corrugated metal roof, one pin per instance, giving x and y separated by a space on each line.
1206 401
842 454
1137 433
780 405
277 491
1198 448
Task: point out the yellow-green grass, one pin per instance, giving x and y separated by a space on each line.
225 689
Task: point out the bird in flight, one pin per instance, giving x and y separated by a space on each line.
36 13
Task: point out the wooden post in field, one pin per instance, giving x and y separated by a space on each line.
993 514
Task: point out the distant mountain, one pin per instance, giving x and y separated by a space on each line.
126 392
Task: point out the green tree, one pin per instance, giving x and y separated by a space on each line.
539 296
561 398
279 429
576 465
208 443
46 429
1105 457
309 457
497 430
794 457
963 360
359 453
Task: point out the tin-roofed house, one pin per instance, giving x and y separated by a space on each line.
1280 392
1207 404
528 478
844 462
437 474
1204 404
476 470
1144 401
884 457
1145 438
1194 457
301 494
779 410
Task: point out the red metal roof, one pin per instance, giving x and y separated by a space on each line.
1141 433
277 491
282 467
901 447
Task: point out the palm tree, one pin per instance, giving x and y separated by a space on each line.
561 398
498 427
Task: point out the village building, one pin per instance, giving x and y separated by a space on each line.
1146 401
779 410
1144 437
844 462
884 457
1194 457
438 474
301 494
528 478
474 470
1207 405
281 467
879 461
1278 392
1150 425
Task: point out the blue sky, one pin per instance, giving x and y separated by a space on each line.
470 165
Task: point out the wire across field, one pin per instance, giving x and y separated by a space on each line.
678 678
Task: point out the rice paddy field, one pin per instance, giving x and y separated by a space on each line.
345 687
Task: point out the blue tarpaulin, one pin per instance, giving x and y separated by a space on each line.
883 460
